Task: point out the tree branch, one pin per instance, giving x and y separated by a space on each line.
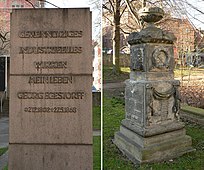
30 3
111 3
123 11
124 31
133 13
108 18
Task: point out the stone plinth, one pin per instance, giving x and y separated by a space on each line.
50 89
151 130
154 148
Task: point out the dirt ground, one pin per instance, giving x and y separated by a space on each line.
191 90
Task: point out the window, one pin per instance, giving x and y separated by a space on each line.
15 5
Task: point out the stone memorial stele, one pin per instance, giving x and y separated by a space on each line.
151 130
50 90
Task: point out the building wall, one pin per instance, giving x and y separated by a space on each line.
18 3
97 68
6 7
184 32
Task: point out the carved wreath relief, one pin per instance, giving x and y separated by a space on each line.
161 59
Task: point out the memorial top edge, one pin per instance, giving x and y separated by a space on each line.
151 35
73 8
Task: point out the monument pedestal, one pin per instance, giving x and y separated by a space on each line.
151 130
156 148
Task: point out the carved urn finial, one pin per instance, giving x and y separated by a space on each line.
151 14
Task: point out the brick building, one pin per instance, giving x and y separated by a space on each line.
6 7
185 33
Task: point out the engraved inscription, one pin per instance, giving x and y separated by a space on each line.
50 64
51 109
50 34
164 109
50 79
51 95
137 58
49 50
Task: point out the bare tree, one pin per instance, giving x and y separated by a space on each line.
113 10
4 33
4 42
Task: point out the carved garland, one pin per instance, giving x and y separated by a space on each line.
166 95
163 95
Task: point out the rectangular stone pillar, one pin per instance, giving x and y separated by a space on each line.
50 89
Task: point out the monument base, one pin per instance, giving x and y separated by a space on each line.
156 148
49 156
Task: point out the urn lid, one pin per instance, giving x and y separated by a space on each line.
151 34
151 14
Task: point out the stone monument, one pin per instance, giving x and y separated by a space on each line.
151 130
50 90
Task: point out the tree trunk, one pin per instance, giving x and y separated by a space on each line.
116 38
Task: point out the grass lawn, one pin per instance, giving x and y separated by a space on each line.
97 117
108 76
113 113
6 168
3 150
178 72
97 139
97 153
186 72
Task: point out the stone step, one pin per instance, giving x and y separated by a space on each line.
192 114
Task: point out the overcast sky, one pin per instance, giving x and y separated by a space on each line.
199 4
69 3
78 4
192 13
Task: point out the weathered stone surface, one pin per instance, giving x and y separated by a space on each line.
152 57
154 139
50 89
60 119
56 28
151 35
143 103
47 157
151 14
154 129
152 119
151 130
152 149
